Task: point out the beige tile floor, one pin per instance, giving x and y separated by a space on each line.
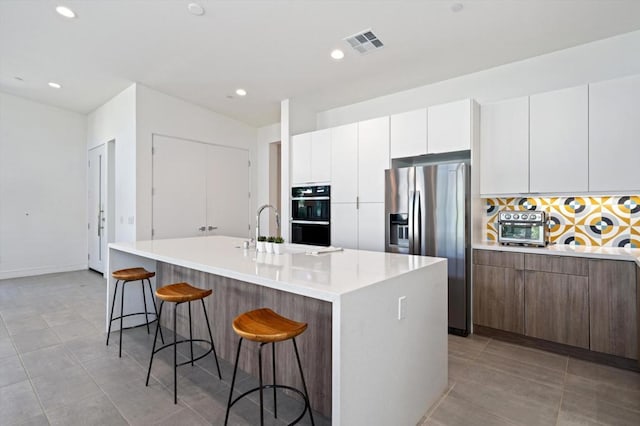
55 369
497 383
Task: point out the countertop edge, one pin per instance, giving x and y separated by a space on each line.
611 253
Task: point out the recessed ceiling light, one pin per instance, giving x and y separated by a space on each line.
457 7
195 9
241 92
55 85
337 54
66 12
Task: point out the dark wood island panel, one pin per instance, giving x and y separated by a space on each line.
232 297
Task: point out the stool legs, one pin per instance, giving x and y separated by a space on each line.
304 384
113 304
233 381
175 351
274 385
273 365
155 339
213 346
122 315
175 345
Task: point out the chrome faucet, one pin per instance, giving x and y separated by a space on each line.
260 209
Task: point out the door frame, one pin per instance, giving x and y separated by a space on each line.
108 174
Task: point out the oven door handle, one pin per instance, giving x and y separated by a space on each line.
310 198
310 222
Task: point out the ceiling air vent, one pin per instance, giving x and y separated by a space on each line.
364 41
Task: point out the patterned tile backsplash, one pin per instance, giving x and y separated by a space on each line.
590 221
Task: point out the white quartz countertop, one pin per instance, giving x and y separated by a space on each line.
324 276
611 253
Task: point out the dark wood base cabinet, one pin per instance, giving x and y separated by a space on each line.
557 307
584 303
612 305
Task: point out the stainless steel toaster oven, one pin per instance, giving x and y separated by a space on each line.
523 227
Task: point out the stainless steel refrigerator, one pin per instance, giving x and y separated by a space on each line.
427 211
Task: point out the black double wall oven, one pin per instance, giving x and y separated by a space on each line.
311 215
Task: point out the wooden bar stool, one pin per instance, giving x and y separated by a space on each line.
125 276
265 326
177 294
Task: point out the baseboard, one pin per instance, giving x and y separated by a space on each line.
559 348
30 272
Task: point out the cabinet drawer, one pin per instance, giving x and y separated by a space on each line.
557 264
501 259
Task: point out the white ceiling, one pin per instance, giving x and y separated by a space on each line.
278 49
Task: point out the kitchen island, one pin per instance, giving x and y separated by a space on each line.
375 352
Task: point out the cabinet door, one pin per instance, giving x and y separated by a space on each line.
498 298
301 158
559 142
409 134
179 188
612 306
321 156
371 226
344 225
557 307
373 159
614 135
504 147
449 127
344 163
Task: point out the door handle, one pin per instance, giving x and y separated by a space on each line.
211 228
202 228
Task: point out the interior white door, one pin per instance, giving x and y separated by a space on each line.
97 208
227 191
179 188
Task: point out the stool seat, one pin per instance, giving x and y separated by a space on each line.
132 274
265 326
181 292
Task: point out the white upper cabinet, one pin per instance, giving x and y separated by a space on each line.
311 157
614 135
559 141
321 156
300 158
504 147
449 127
344 163
409 134
373 158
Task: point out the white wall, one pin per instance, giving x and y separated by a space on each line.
157 113
601 60
43 169
116 120
266 135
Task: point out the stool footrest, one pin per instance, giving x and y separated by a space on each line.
189 361
299 392
137 313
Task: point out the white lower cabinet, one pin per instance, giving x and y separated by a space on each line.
358 228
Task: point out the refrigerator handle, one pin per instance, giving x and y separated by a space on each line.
411 219
417 224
